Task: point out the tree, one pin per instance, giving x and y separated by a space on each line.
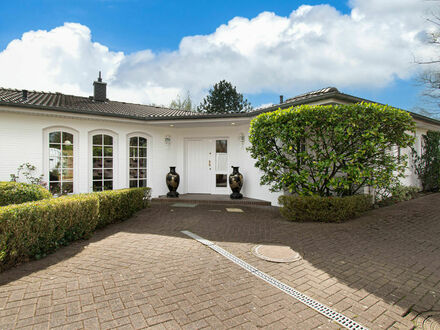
430 77
224 98
331 150
186 104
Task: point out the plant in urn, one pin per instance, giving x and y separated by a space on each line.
172 180
235 182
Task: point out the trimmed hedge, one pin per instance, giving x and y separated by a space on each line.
17 193
117 205
33 229
323 209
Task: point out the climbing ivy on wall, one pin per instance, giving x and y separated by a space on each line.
427 164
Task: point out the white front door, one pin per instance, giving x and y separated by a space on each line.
206 165
198 169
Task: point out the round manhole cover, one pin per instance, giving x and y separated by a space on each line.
275 253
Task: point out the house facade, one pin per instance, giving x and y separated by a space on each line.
83 144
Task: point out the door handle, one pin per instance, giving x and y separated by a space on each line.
209 163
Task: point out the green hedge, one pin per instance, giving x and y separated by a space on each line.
17 193
323 209
33 229
116 205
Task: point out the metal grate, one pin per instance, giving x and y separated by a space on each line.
320 308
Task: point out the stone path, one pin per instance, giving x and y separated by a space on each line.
382 270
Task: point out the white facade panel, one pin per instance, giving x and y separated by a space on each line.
24 135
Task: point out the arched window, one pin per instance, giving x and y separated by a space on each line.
61 157
102 162
137 163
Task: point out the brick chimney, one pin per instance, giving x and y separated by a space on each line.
99 90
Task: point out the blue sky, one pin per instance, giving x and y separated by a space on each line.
131 26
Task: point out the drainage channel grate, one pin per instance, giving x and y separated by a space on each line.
317 306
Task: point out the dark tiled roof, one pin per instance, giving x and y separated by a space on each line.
86 105
313 94
328 93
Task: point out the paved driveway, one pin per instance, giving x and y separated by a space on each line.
382 270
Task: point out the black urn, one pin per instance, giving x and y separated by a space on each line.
235 182
172 180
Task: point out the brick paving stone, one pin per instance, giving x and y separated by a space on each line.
381 269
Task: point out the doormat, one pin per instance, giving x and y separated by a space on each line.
234 210
183 205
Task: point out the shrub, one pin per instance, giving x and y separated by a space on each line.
427 165
323 209
399 194
33 229
116 205
28 170
17 193
404 193
330 150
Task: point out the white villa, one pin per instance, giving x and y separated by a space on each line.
89 144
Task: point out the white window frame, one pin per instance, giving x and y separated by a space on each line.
46 153
149 155
115 136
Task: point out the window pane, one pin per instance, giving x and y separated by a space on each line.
142 142
133 162
97 162
108 151
108 162
133 152
108 185
67 188
67 138
67 150
221 162
108 174
142 174
133 174
142 162
133 183
97 174
97 139
220 180
68 174
54 149
67 162
97 151
97 185
142 183
108 140
221 146
55 137
54 163
55 188
142 152
54 175
133 141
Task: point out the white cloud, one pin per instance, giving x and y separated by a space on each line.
314 47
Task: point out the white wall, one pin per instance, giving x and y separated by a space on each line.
237 156
22 140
